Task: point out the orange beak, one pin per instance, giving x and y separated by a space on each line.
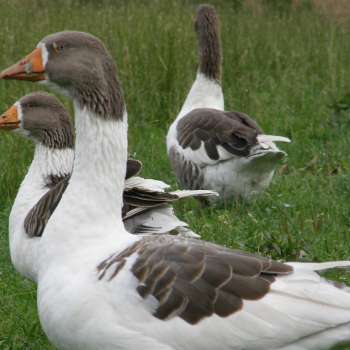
30 68
9 120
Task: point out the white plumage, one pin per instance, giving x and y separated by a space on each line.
23 249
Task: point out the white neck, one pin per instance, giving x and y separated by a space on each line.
100 161
50 161
46 162
204 93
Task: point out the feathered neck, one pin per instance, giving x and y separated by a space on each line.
206 91
100 161
49 163
209 48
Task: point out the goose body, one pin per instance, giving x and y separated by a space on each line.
100 287
23 248
43 119
52 162
212 149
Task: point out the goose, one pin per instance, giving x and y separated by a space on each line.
52 162
210 148
41 118
100 287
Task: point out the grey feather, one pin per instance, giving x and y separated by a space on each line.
234 131
37 218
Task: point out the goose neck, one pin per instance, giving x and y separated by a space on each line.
100 161
51 163
209 50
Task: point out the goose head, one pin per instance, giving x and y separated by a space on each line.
41 118
79 65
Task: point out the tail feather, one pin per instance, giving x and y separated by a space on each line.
272 138
322 340
194 193
321 266
145 184
158 205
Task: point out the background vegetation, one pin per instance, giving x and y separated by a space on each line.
286 63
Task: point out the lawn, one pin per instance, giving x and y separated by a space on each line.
286 68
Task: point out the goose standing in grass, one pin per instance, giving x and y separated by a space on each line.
100 287
43 119
210 148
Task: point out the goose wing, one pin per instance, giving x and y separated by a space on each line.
220 298
217 135
133 167
151 212
194 279
208 136
37 218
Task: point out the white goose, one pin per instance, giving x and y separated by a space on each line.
43 119
53 158
100 287
210 148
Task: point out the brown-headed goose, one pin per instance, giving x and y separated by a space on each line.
210 148
100 287
43 119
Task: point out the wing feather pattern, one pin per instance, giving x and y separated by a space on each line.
194 279
37 218
234 131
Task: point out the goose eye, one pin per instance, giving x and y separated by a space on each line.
58 47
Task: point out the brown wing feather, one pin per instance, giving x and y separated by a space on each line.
234 131
37 218
194 279
138 197
144 200
133 167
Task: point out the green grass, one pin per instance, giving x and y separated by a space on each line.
282 68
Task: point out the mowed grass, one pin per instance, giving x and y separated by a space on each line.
284 68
